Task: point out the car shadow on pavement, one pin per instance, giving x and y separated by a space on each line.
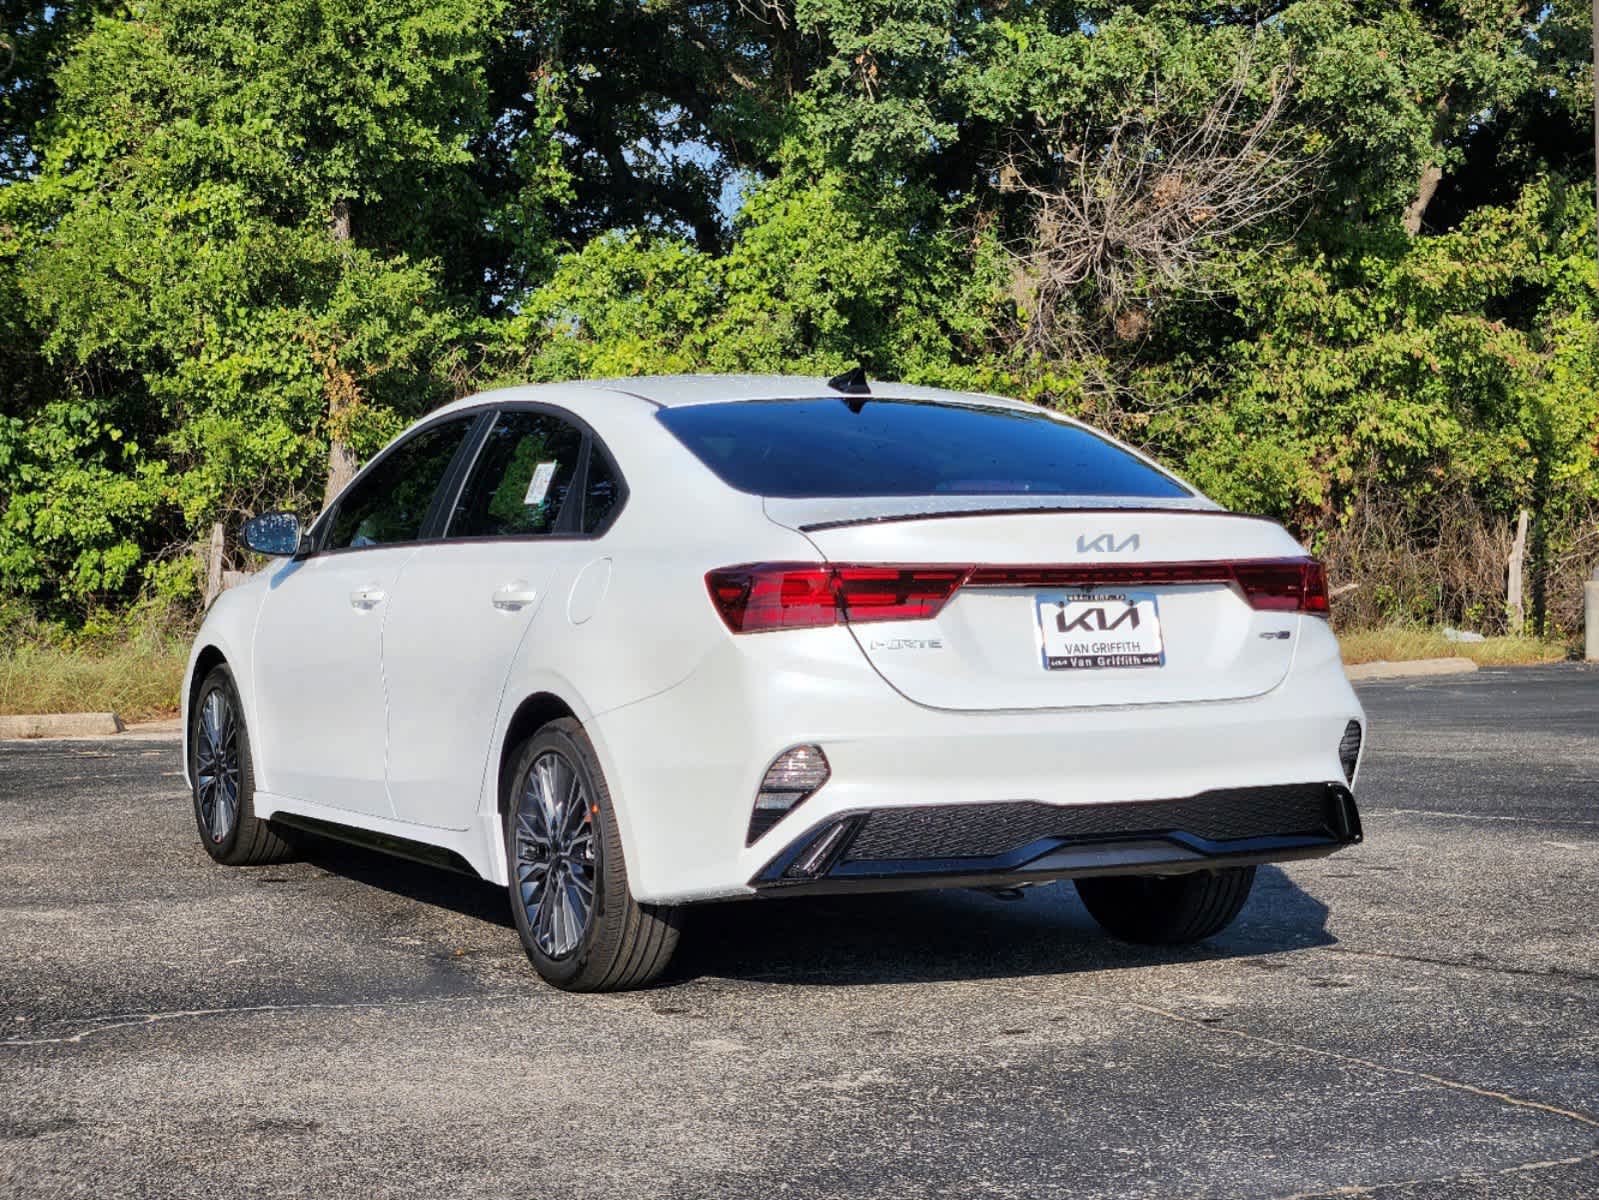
907 937
897 937
426 884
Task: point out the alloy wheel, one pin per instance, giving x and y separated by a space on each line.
555 866
216 765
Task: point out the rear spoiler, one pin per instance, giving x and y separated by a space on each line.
811 516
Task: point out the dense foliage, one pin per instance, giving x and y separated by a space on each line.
1334 258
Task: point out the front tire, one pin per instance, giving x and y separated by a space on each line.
578 921
1167 909
223 771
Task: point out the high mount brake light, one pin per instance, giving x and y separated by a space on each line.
765 596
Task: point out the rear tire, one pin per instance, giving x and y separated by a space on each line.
223 771
560 860
1167 909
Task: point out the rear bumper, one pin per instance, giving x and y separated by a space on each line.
977 845
683 766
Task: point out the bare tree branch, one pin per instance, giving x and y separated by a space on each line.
1126 217
767 12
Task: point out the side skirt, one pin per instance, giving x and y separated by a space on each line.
472 850
422 852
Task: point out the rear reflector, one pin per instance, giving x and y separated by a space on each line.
1349 750
765 596
794 775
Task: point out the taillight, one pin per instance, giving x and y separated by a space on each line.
895 593
767 596
1284 585
764 596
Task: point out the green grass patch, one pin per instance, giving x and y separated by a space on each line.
1401 643
131 665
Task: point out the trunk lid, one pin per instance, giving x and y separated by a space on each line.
1151 636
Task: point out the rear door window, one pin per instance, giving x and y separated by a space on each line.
840 448
602 493
389 503
519 485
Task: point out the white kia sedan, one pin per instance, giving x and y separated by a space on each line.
629 645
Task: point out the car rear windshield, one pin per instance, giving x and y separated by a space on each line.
837 447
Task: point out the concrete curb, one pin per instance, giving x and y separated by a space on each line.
56 725
1409 670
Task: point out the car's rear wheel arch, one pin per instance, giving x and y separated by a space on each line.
531 715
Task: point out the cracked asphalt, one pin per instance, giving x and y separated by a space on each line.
1417 1017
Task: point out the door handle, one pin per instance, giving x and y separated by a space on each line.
367 598
514 596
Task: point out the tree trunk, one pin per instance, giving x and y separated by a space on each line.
341 462
1432 174
1515 608
1538 548
213 564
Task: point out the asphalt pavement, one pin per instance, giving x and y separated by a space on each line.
1416 1017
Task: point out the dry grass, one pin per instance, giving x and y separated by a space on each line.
130 664
1400 643
138 674
1444 563
138 682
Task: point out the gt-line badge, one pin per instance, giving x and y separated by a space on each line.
906 644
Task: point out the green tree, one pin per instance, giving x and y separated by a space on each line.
1334 258
232 251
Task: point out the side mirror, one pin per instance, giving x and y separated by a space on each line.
277 534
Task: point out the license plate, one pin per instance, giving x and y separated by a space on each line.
1098 630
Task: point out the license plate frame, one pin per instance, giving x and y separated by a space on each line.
1082 630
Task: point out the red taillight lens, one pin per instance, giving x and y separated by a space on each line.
895 593
1315 601
1287 585
773 596
764 596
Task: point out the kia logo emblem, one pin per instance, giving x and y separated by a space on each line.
1094 620
1106 543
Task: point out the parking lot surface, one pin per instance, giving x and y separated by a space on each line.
1415 1017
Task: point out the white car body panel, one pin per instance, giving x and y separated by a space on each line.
394 719
450 639
886 752
319 727
987 656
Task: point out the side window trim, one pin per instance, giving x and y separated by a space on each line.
598 447
330 515
569 520
434 527
569 523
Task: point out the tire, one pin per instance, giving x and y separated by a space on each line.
618 944
235 837
1167 909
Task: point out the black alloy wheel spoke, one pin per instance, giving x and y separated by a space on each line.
554 855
